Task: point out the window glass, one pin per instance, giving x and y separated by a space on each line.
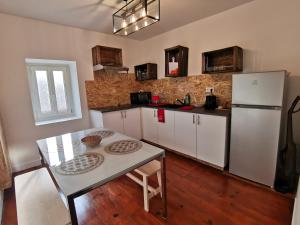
60 92
43 90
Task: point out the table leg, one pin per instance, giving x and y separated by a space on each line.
72 211
164 186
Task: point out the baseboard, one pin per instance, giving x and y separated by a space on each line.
25 166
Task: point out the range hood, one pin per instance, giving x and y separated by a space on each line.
108 59
99 67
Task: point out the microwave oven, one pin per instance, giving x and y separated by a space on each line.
139 98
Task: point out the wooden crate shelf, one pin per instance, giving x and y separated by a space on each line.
227 60
176 61
147 71
108 59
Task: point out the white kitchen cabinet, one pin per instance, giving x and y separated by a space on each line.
114 121
127 121
132 123
158 132
212 139
150 124
185 133
166 130
96 119
200 136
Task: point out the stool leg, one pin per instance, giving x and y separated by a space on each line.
146 193
158 174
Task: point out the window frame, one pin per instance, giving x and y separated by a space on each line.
73 112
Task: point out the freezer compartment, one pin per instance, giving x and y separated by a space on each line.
265 89
254 144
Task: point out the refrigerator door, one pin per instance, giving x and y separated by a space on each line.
264 89
254 144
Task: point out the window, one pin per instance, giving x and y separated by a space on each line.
54 90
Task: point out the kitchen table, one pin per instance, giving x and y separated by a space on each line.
76 169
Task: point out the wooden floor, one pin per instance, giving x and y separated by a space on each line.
197 195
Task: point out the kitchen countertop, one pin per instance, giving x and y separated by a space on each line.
198 110
116 108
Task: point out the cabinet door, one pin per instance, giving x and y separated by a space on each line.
166 130
132 123
113 121
96 119
149 124
185 133
211 139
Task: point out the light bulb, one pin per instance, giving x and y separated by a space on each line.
125 32
146 23
133 19
143 13
124 24
136 27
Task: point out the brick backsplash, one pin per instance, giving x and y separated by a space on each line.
111 89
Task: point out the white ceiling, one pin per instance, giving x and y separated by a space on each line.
97 14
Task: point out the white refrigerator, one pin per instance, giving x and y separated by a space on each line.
257 124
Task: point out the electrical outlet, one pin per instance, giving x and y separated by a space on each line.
209 89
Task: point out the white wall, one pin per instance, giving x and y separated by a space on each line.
25 38
265 29
296 216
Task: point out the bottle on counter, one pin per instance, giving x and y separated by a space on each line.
187 99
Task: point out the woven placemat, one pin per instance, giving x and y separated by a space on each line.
123 147
80 164
102 133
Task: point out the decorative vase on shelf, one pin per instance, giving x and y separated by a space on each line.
173 67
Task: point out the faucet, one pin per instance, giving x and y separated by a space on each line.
186 101
178 100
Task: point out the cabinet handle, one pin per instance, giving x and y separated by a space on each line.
154 113
198 119
121 115
125 112
193 118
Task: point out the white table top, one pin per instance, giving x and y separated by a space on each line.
58 149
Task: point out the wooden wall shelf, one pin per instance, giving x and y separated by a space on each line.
176 61
147 71
225 60
108 59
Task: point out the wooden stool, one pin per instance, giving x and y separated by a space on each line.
146 171
38 201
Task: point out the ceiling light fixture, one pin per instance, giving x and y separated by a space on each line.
136 15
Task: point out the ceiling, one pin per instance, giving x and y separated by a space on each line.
97 14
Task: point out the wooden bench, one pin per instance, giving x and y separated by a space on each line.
38 201
146 171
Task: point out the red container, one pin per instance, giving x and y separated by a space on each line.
155 99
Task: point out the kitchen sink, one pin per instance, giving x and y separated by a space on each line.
172 106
